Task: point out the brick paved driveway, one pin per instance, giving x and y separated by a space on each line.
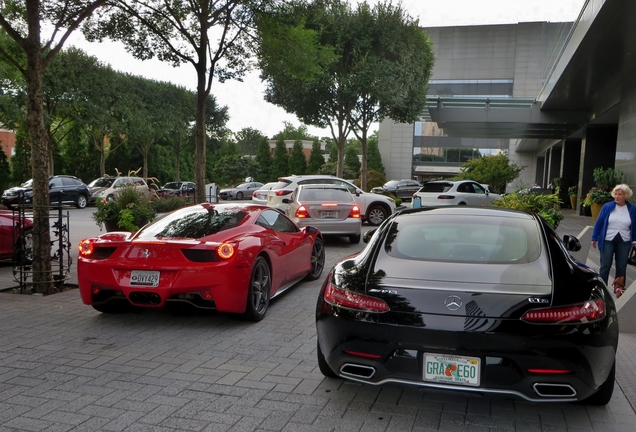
65 367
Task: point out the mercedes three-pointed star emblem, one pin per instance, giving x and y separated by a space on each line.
453 302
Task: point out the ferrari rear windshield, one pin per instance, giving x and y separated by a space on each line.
454 238
193 222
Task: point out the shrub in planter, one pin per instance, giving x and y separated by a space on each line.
129 211
169 203
547 206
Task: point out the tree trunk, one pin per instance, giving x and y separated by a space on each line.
38 138
363 168
199 149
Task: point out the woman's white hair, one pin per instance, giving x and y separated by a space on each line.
628 192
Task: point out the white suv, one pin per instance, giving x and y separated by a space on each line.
374 208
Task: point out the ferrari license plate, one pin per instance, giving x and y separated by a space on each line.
451 369
144 278
328 214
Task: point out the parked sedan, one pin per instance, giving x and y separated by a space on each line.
330 208
177 189
16 237
449 193
226 257
63 189
403 189
240 191
470 299
260 196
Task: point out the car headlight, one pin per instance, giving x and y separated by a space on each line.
98 193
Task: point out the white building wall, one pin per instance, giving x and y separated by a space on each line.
395 141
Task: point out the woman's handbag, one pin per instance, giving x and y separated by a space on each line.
631 259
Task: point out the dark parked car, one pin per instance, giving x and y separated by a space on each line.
472 299
62 188
403 189
177 189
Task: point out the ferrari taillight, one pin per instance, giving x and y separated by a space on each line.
351 300
301 212
225 251
591 310
86 248
355 212
283 192
444 197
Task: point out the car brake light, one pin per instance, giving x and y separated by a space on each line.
225 251
591 310
283 192
301 212
351 300
86 248
446 197
355 212
329 204
550 371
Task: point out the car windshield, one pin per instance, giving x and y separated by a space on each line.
456 238
102 182
436 187
193 222
391 183
282 184
27 184
268 186
241 186
172 185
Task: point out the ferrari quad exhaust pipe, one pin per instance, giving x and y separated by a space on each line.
357 371
554 390
145 298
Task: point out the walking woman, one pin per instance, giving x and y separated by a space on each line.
615 234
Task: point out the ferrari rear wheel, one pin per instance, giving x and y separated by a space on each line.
322 363
317 260
258 293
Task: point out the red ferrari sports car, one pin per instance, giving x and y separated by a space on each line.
229 257
12 232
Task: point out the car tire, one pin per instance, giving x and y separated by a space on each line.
239 195
110 198
355 239
81 202
376 215
23 251
258 290
317 260
605 391
323 365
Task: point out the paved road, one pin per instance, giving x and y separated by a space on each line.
66 367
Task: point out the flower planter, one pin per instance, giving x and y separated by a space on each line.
587 210
596 209
111 225
573 201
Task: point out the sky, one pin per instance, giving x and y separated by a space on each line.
245 100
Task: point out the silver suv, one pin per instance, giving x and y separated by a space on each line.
374 208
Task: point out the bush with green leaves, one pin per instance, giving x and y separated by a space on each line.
607 177
130 210
169 203
547 206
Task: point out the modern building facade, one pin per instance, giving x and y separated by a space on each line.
559 98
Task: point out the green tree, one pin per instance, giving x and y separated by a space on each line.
497 171
290 132
231 169
333 156
374 159
280 162
297 159
316 158
248 140
20 161
352 162
23 22
214 37
264 160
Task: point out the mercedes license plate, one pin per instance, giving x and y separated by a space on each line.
144 278
328 214
451 369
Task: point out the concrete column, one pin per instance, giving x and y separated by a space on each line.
598 149
571 157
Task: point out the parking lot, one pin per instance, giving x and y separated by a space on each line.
66 367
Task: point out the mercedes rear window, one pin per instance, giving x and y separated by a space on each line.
436 187
475 239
